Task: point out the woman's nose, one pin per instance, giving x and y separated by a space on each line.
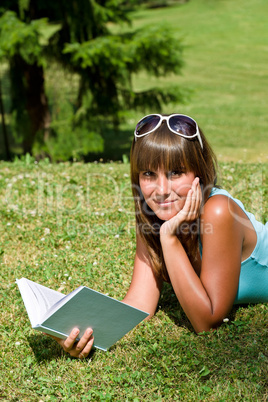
162 185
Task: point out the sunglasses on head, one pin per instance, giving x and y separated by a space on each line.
177 123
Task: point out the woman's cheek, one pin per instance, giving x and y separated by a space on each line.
183 189
184 186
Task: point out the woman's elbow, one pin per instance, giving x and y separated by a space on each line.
206 326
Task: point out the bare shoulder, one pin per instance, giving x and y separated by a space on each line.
223 214
220 209
221 217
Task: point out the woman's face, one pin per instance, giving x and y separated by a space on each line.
165 192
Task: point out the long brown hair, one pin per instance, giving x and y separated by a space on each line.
165 150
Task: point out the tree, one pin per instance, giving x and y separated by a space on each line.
20 45
85 43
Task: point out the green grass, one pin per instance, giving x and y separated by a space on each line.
70 224
226 59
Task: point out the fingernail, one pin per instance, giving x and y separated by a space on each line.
89 332
75 332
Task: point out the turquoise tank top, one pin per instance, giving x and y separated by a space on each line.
253 280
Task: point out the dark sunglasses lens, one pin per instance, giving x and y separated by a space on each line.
183 124
147 124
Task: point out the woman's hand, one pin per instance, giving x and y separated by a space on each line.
80 349
189 213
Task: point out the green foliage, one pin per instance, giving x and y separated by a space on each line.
157 51
17 37
113 58
106 49
71 142
72 135
80 36
153 49
23 6
224 68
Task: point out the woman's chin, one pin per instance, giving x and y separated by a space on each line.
165 215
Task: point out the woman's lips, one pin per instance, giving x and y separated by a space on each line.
165 203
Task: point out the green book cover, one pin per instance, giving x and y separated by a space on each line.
56 314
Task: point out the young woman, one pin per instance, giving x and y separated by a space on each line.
189 232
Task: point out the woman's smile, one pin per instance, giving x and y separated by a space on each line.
165 203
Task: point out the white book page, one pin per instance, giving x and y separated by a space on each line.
37 299
60 303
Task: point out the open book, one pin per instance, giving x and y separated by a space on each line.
56 314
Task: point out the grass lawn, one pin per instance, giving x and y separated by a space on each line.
225 67
67 225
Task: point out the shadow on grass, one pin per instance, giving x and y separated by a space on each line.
46 349
170 305
236 351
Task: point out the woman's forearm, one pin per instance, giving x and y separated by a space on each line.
188 287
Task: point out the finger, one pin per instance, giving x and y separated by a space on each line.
188 203
70 341
81 344
191 205
199 198
186 212
195 205
82 348
85 352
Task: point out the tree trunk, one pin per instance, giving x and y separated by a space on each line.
2 111
29 101
36 104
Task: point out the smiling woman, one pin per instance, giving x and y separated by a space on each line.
189 232
185 223
170 158
165 192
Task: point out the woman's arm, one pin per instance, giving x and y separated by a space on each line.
207 299
145 288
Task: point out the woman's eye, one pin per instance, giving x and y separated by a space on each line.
175 173
148 173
